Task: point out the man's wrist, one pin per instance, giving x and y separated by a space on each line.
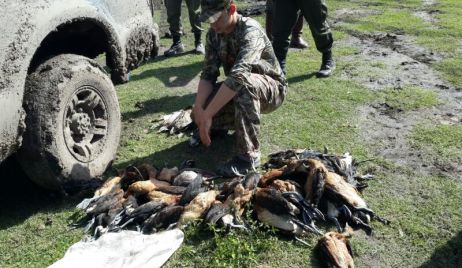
207 113
197 105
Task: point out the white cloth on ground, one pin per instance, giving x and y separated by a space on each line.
128 249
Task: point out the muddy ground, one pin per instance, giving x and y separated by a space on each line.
402 63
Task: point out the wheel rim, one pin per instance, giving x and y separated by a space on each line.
85 124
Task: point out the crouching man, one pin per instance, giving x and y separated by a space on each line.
254 83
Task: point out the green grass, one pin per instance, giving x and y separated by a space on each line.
441 144
424 210
37 243
451 70
409 98
34 229
424 214
390 21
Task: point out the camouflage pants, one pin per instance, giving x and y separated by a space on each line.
174 14
243 112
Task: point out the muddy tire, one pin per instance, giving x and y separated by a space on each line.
72 122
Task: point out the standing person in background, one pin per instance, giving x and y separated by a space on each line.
164 31
173 18
254 83
296 40
315 13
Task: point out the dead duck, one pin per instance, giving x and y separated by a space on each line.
308 213
221 215
168 199
216 212
187 174
228 188
283 186
130 175
108 185
105 202
238 199
165 218
336 250
167 174
251 180
270 176
184 178
193 189
342 216
229 212
273 209
141 213
315 181
197 207
103 222
319 175
337 192
172 189
148 171
140 188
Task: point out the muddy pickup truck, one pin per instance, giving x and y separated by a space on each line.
58 107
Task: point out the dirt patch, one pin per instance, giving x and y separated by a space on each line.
393 60
428 12
427 16
387 131
383 62
429 2
349 15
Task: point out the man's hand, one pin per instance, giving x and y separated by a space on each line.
204 122
197 112
203 117
204 129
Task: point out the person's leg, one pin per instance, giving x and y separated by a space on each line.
263 96
296 41
164 26
315 12
194 12
173 18
285 16
269 19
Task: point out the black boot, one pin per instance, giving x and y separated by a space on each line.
283 66
198 47
297 40
327 65
176 48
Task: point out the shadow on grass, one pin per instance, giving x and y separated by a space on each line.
449 255
176 76
21 198
301 78
205 158
167 105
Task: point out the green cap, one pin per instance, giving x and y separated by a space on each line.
211 9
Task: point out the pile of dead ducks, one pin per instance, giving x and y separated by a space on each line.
296 190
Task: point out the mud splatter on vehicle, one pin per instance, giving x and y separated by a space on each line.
59 108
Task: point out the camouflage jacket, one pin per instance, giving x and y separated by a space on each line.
246 50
